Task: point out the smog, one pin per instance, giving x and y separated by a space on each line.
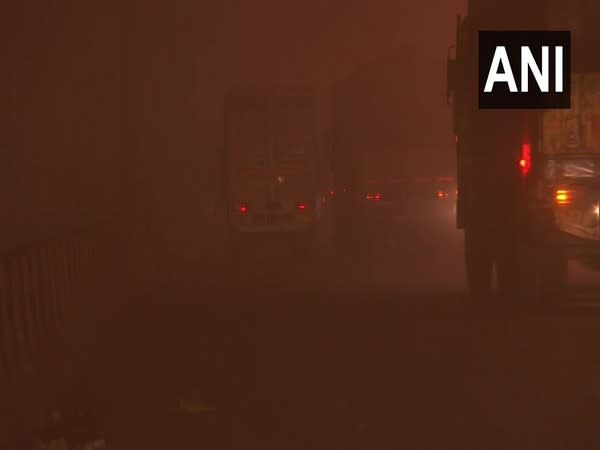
273 225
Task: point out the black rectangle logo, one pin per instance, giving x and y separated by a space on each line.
524 69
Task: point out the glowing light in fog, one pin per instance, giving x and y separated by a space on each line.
243 209
376 196
562 197
525 161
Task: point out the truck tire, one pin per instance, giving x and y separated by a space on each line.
478 263
532 276
506 256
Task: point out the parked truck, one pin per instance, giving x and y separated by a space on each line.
528 179
275 166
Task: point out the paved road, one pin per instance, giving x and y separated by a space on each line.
345 354
315 358
325 372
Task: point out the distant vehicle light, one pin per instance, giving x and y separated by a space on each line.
243 208
597 210
563 197
301 206
525 161
375 196
441 194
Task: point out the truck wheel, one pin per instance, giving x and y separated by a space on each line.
478 263
507 268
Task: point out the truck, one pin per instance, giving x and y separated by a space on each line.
528 180
275 166
378 141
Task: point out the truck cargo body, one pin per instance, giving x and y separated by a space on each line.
273 174
528 180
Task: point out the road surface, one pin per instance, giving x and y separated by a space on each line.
319 356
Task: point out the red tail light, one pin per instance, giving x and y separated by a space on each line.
243 208
301 206
441 194
525 161
376 196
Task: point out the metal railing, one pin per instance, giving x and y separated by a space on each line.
43 287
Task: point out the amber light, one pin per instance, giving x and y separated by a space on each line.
376 196
562 197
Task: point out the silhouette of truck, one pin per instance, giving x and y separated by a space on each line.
528 179
276 174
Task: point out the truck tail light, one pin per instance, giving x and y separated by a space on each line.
243 208
563 197
301 206
441 194
525 161
375 196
